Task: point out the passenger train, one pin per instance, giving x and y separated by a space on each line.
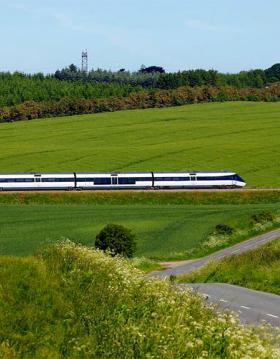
119 180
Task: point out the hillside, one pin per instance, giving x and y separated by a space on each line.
164 230
243 137
256 269
72 302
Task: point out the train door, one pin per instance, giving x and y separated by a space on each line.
114 180
38 180
193 180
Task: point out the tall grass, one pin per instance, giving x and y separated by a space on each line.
143 197
72 302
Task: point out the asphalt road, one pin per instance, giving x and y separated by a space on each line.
236 249
252 306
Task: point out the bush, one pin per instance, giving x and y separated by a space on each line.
224 229
117 239
262 217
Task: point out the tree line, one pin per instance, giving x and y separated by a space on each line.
137 100
16 88
156 77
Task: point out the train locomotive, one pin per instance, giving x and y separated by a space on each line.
120 180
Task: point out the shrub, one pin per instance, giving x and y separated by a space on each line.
117 239
224 229
262 217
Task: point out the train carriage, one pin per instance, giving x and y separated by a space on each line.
114 180
36 181
197 180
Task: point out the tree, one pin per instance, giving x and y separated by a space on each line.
273 73
117 239
151 69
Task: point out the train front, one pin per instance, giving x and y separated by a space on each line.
238 181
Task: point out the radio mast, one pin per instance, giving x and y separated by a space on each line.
85 61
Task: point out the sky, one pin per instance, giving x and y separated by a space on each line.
226 35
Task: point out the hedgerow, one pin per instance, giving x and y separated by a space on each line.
137 100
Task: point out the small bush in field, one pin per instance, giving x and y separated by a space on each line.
224 229
262 217
117 239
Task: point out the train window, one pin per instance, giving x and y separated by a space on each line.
172 179
14 180
97 181
216 178
127 180
57 179
37 179
102 181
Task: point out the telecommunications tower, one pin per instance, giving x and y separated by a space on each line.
85 61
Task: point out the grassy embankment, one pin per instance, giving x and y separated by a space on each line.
243 137
168 225
258 269
75 303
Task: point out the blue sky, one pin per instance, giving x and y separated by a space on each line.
227 35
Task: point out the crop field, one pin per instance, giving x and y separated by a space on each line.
240 136
164 231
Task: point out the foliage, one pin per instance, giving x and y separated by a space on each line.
273 73
73 302
256 269
116 239
224 229
17 88
152 69
262 217
136 100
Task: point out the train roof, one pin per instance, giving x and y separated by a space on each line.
109 173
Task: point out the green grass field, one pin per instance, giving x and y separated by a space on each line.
164 231
243 137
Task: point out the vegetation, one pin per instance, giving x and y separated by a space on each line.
137 100
225 235
257 269
168 226
116 239
71 91
16 88
155 76
223 229
73 302
202 137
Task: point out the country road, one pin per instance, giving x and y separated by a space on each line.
252 306
242 247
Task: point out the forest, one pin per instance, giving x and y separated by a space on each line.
71 91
